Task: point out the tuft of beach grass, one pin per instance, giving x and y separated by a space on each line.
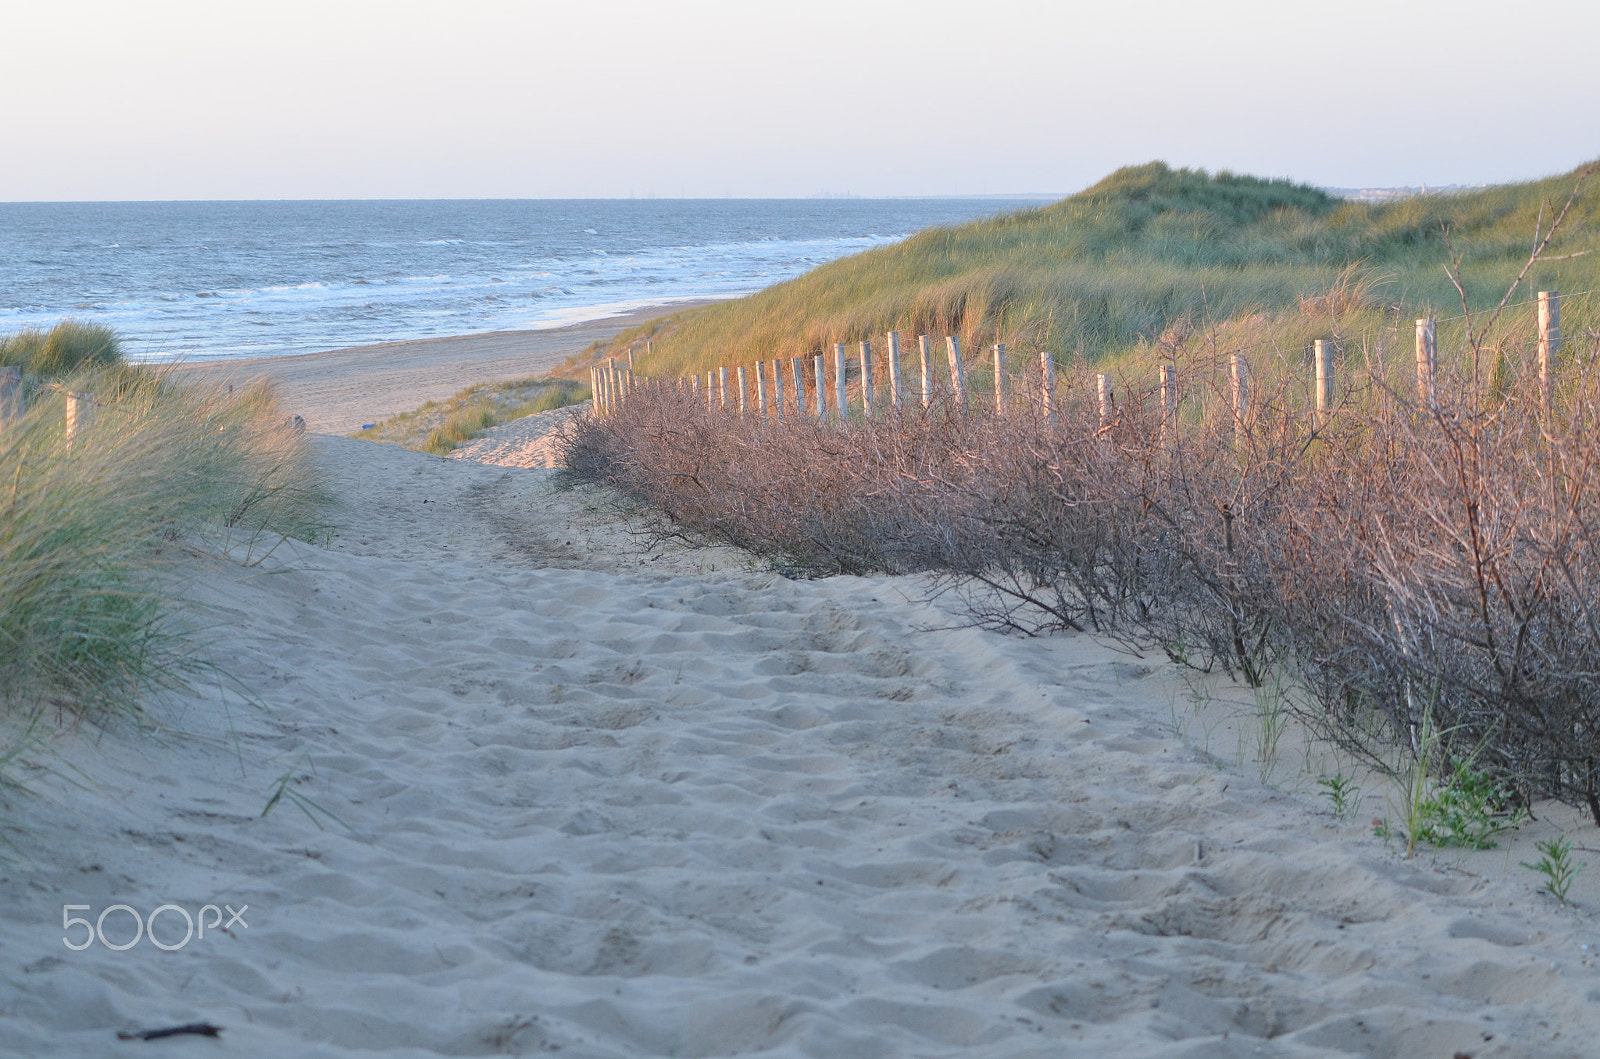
87 621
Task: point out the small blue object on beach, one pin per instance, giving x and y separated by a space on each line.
368 426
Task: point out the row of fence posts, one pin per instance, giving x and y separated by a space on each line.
79 413
1427 349
613 384
1549 326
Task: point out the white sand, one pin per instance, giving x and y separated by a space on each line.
622 802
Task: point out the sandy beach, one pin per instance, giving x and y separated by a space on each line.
339 390
495 772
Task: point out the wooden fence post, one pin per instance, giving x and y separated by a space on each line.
796 365
722 387
630 358
896 396
1047 385
1427 361
1241 392
838 380
1169 403
777 387
1323 353
1108 399
711 391
10 395
927 370
761 389
867 386
80 415
1549 342
958 374
818 374
999 378
743 391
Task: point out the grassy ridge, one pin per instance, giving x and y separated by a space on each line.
1147 256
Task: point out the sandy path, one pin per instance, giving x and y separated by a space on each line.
340 390
622 802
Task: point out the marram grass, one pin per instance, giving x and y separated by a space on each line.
86 619
68 347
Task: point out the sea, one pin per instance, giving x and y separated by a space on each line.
220 280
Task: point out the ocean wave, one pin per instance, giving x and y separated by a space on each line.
375 273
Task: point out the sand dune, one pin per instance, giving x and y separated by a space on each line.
552 789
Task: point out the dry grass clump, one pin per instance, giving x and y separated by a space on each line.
86 621
461 425
1427 572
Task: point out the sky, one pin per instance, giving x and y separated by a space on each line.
243 99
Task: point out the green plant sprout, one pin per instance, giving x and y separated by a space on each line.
1341 791
282 790
1556 866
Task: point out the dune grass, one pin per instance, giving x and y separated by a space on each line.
87 621
69 346
1150 254
439 426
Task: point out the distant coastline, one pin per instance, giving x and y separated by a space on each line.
1393 194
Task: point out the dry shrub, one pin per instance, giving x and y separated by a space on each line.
1440 571
1417 569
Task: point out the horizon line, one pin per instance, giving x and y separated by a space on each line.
1041 196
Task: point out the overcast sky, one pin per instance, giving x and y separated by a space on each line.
170 99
